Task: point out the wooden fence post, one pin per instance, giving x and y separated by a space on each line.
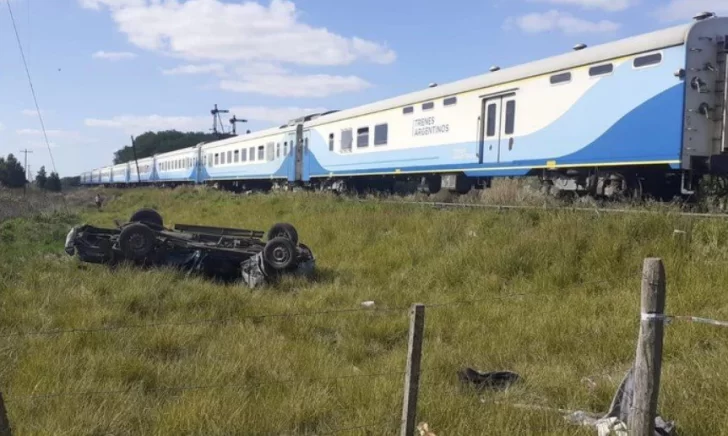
648 361
412 374
4 422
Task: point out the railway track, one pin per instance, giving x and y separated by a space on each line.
597 210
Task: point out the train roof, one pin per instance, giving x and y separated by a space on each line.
663 38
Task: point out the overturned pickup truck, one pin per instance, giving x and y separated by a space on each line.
225 253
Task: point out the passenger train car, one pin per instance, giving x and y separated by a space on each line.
646 113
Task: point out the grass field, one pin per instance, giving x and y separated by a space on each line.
555 298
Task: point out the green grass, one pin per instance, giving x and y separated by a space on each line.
556 299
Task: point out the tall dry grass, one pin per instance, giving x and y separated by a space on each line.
554 296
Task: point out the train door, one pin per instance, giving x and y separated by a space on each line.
497 127
305 165
289 148
298 152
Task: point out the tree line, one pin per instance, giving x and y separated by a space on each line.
12 175
150 143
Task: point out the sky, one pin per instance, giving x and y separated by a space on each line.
104 70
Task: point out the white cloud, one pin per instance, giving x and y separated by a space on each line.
606 5
236 32
34 113
288 85
218 69
135 124
683 10
51 133
113 55
565 22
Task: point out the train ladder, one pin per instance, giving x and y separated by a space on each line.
720 115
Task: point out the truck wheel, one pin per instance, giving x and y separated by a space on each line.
148 216
280 253
136 241
283 230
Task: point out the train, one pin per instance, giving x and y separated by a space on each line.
644 114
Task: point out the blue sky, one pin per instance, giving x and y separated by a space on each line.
107 69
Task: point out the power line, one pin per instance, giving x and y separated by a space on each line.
30 81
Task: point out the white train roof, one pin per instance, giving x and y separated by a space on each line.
663 38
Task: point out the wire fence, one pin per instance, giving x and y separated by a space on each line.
410 371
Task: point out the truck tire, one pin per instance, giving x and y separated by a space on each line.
148 216
279 253
283 230
136 241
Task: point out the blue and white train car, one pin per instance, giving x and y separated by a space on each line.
180 166
142 171
258 159
120 174
631 112
646 113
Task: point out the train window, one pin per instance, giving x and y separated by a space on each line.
251 154
599 70
270 151
209 161
560 78
510 116
285 148
644 61
408 110
243 154
261 152
490 130
278 150
346 140
331 142
362 137
380 134
427 106
236 156
222 158
230 157
450 101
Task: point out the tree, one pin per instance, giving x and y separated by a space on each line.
53 183
12 174
41 178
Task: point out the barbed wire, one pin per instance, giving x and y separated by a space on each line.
196 387
197 322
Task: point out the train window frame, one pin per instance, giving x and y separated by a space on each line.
222 158
593 70
261 153
229 157
378 129
490 119
510 123
244 154
217 158
450 101
362 137
278 150
236 156
657 54
251 154
428 106
285 148
343 146
408 110
331 141
555 79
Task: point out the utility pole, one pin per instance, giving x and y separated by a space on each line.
25 167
